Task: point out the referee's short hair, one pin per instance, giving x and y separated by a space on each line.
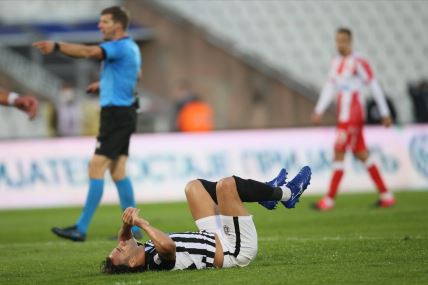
118 14
346 31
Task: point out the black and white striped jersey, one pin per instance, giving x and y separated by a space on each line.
194 250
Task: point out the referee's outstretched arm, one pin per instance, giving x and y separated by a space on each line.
70 49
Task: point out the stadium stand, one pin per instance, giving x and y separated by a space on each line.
83 32
29 74
26 129
297 37
17 67
40 11
277 43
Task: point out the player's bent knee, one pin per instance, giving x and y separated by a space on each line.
226 186
191 187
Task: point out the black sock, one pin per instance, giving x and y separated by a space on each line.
249 190
255 191
210 187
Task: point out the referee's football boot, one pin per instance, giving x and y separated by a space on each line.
278 181
70 233
297 186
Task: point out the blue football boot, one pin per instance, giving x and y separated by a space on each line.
278 181
297 186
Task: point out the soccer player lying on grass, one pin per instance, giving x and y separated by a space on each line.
226 238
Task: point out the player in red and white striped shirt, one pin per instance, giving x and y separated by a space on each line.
349 73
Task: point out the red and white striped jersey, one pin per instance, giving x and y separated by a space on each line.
346 79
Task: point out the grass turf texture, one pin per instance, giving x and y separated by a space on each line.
354 244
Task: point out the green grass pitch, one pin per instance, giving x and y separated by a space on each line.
354 244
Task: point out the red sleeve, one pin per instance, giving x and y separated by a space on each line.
365 69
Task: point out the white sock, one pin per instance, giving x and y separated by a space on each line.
328 201
286 193
386 196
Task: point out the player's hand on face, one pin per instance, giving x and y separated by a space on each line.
130 216
387 121
45 47
316 119
28 104
93 88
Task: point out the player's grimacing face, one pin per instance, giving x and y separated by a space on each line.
125 251
343 44
107 26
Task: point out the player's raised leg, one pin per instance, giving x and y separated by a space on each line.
238 234
202 205
229 197
200 202
204 198
267 194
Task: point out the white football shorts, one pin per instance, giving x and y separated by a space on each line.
237 235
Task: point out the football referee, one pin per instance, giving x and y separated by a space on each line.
120 70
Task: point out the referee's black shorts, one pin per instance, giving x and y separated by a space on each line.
116 127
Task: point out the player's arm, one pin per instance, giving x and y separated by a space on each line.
125 232
28 104
326 96
70 49
366 72
381 103
164 245
324 101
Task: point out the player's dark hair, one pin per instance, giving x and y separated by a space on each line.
108 267
343 30
118 15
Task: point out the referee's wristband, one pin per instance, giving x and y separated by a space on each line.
11 98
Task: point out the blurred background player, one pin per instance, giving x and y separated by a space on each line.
68 113
28 104
192 113
121 63
348 73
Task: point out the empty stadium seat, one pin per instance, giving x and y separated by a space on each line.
297 37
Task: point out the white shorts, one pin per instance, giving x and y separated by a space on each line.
237 235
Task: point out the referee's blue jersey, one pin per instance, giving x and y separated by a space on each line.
119 72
